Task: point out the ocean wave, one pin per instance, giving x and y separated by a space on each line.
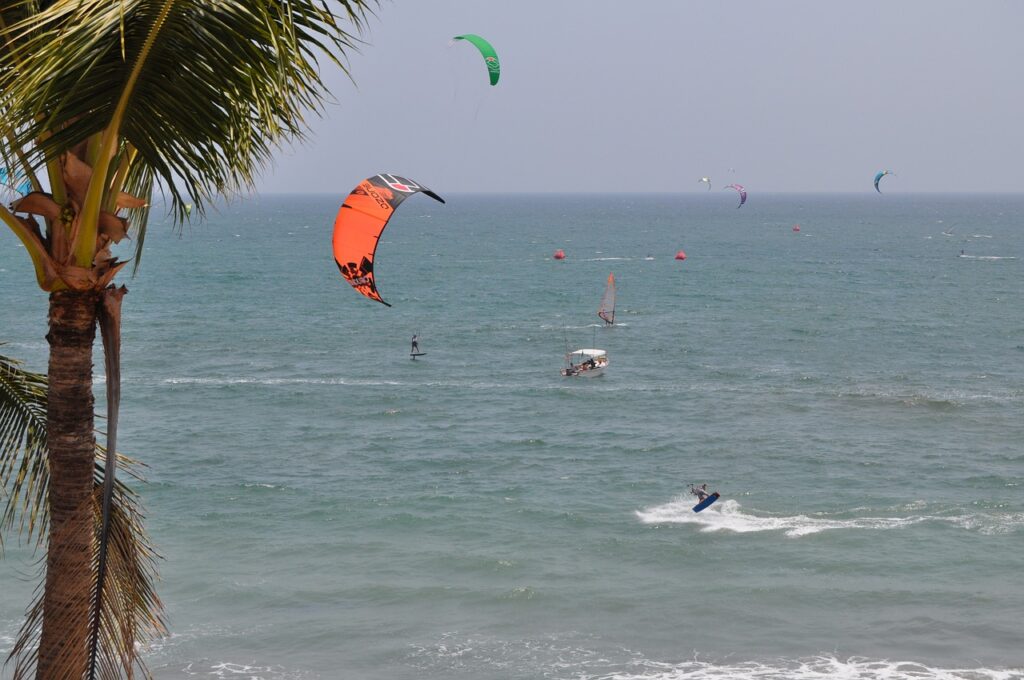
729 516
941 400
227 669
7 639
808 668
244 380
557 657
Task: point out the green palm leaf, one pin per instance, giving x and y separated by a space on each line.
131 610
203 90
23 471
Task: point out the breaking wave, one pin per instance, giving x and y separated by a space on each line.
557 658
730 516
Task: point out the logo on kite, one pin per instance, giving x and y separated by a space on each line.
360 222
400 184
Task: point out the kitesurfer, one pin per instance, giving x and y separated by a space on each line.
701 492
415 344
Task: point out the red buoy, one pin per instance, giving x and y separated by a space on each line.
681 255
796 227
559 254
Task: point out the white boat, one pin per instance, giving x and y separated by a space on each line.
588 363
607 308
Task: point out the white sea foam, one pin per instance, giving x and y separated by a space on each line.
226 669
729 516
557 657
244 380
811 668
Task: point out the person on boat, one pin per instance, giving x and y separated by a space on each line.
701 492
415 344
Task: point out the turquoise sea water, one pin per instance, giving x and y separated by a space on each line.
327 508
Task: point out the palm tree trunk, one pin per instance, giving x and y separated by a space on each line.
63 651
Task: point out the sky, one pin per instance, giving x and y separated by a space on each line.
651 95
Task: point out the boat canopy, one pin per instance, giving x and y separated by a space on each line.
588 353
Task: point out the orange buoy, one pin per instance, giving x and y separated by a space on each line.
796 227
559 254
681 255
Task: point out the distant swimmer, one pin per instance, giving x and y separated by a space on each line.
701 492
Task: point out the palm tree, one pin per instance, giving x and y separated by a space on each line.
102 102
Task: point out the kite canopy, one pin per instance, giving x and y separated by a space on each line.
879 176
15 180
360 221
705 180
489 55
743 193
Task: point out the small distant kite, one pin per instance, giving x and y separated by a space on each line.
488 53
879 176
743 193
15 180
360 222
705 180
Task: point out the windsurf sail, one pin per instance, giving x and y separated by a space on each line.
360 222
607 309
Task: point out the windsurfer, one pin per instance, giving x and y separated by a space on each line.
701 492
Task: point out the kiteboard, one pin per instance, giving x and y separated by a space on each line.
417 354
706 502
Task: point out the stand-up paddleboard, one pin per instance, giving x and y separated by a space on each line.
706 502
417 354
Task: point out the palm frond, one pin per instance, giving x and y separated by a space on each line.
23 472
204 90
132 611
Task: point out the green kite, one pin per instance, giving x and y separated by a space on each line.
490 56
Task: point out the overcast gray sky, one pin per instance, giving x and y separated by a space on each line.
649 95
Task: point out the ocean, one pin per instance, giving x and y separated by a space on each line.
327 508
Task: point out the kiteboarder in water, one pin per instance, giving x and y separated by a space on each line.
415 345
701 492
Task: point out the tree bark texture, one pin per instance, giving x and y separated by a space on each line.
63 649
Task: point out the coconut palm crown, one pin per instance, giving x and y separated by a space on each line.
103 102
